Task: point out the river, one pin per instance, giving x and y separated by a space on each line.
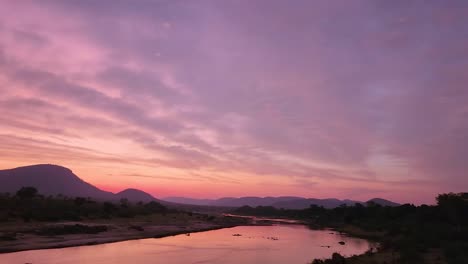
243 244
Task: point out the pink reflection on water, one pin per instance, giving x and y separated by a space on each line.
256 244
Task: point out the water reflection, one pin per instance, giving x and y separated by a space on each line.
244 244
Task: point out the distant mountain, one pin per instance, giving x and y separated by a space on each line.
231 201
193 201
306 203
383 202
135 195
286 202
252 201
53 180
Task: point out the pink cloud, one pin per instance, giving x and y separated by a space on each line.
372 103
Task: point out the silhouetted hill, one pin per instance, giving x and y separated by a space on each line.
192 201
231 201
49 180
135 195
383 202
251 201
306 203
54 180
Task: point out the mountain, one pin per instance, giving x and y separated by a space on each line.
286 202
193 201
53 180
383 202
306 203
49 180
231 201
135 195
251 201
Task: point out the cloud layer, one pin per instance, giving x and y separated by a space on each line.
213 98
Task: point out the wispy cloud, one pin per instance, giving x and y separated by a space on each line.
312 98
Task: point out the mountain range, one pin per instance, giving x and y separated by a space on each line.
54 180
286 202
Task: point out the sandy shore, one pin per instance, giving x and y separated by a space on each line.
26 237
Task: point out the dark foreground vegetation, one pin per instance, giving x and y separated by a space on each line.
28 205
407 233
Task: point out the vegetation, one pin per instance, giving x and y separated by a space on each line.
413 234
335 259
28 205
71 229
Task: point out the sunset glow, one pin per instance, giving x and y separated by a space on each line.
208 99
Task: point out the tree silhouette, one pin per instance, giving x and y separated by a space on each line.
26 192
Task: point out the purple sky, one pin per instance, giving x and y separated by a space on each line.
346 99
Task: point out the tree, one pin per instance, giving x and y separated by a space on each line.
455 206
155 207
26 192
124 203
79 201
108 207
338 259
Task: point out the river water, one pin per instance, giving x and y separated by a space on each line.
277 244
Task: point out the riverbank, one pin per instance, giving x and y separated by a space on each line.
380 254
20 236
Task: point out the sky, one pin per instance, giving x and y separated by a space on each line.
346 99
